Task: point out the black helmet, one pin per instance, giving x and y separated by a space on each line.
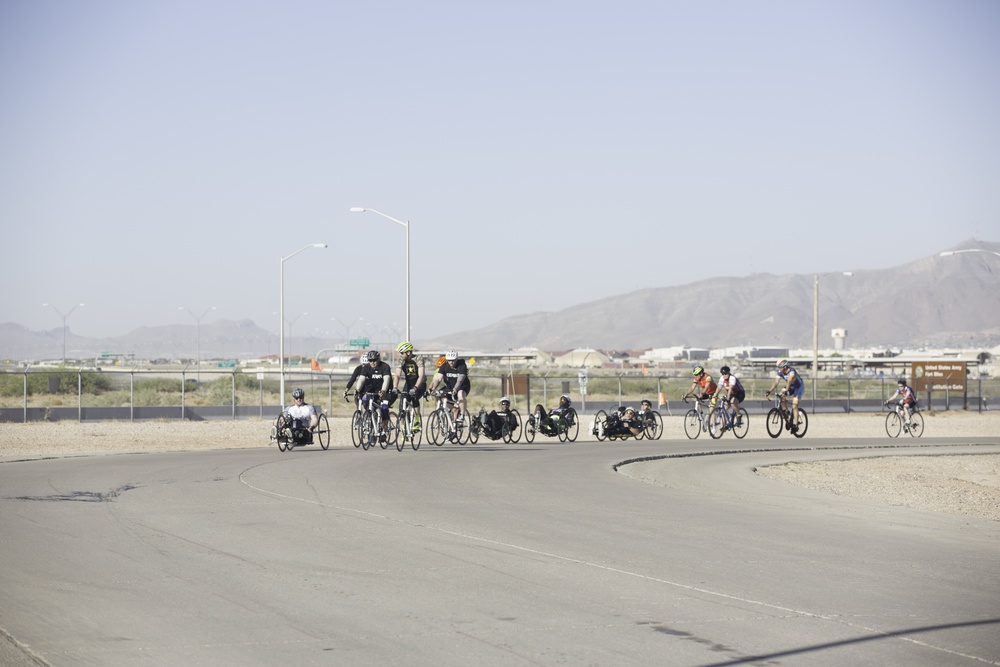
298 393
724 370
565 398
373 355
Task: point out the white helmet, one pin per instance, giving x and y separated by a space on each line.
450 355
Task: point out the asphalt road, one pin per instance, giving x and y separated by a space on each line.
538 554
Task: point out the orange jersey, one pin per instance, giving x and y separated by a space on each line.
707 384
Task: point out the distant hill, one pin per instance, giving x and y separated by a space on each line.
935 301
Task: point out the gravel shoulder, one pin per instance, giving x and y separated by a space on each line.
967 485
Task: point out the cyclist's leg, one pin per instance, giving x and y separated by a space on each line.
460 395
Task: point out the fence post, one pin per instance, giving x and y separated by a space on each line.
848 394
79 396
234 395
25 403
183 387
131 396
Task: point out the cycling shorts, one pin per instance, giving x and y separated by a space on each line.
797 390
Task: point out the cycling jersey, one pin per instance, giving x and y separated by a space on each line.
795 387
733 387
906 395
411 373
707 384
455 375
378 378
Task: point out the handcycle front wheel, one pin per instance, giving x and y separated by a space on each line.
654 425
600 424
323 432
517 429
529 429
572 430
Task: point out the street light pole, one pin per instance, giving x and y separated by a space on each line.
281 317
198 332
405 225
816 331
64 318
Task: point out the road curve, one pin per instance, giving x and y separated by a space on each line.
489 555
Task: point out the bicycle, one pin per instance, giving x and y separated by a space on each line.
408 431
368 421
442 426
696 419
723 419
779 418
896 421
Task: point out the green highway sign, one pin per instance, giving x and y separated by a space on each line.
360 342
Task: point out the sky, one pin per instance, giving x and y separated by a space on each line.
159 159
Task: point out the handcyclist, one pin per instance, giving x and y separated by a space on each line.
410 379
493 423
703 386
300 418
731 388
793 388
548 423
376 379
907 399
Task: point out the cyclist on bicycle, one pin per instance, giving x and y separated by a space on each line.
493 423
454 375
793 387
358 370
300 418
410 379
731 387
704 386
907 399
376 379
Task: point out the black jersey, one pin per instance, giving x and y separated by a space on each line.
375 378
456 375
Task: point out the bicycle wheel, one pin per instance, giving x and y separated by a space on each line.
916 424
356 420
893 424
742 424
415 431
775 422
692 424
573 428
475 428
384 426
529 429
717 423
367 431
323 432
395 435
653 426
803 423
436 432
600 422
516 430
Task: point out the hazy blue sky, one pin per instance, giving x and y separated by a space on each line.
163 154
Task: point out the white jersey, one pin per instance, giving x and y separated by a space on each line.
303 412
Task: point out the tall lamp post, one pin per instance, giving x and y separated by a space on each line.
281 316
405 225
197 321
64 318
816 330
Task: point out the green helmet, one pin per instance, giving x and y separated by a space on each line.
405 346
698 370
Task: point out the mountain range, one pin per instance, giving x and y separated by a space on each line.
931 302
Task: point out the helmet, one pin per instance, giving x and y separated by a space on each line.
298 393
450 355
724 370
373 355
629 409
566 398
782 364
405 346
698 370
504 400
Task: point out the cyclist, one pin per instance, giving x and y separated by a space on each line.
548 423
793 387
410 378
645 408
300 418
493 423
907 399
454 375
358 370
376 379
731 387
624 421
704 386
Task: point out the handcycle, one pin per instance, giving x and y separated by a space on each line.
510 430
611 427
287 434
442 426
779 418
697 419
565 425
896 420
368 421
723 419
408 431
